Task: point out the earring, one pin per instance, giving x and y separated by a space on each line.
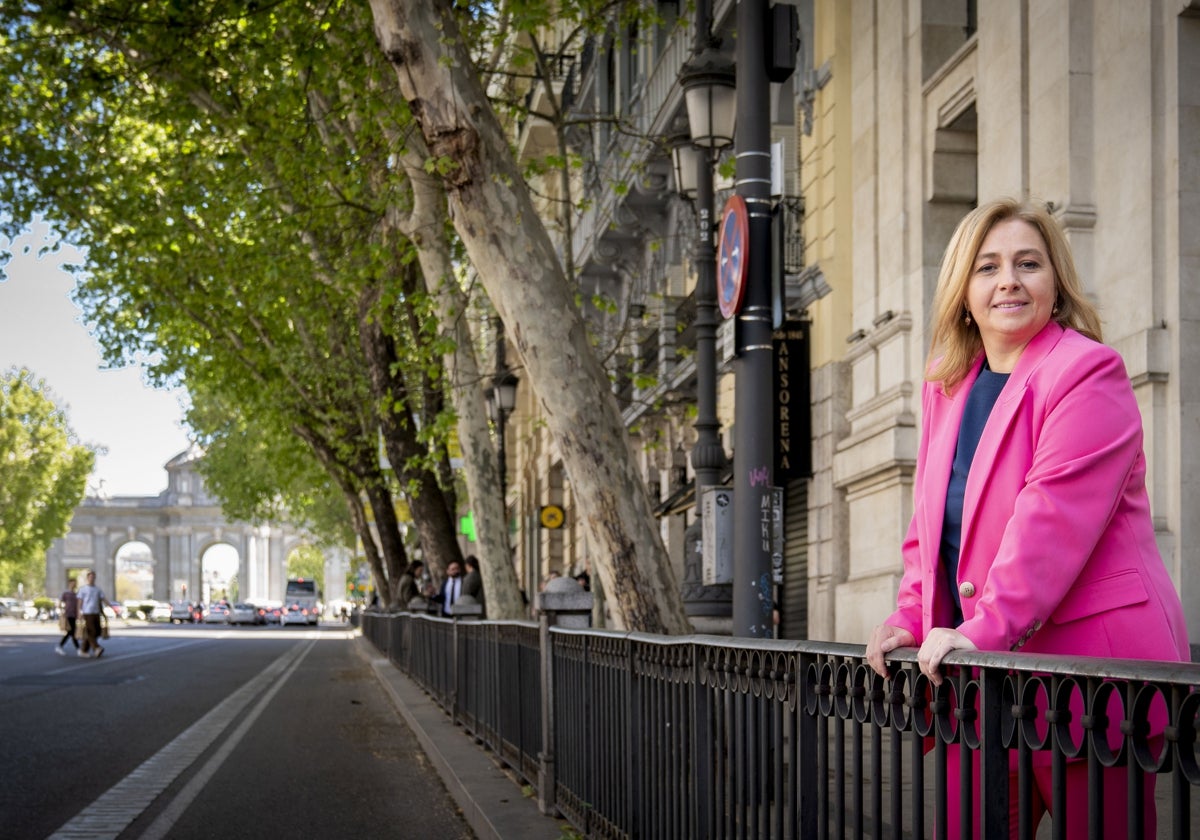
1054 311
967 320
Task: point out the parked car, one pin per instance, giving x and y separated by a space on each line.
161 612
182 611
295 614
243 614
217 614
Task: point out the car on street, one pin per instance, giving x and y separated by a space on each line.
182 611
243 614
295 614
161 612
216 614
273 614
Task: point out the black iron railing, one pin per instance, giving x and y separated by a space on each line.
634 735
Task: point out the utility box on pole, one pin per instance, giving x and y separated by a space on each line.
716 516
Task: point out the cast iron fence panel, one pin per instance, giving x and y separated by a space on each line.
714 737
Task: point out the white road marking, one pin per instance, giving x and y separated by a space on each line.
109 657
125 801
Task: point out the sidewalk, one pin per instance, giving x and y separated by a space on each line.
493 804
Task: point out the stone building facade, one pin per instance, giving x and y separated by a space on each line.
1093 107
901 116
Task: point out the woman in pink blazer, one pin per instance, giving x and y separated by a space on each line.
1031 526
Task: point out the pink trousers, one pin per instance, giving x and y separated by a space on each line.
1115 787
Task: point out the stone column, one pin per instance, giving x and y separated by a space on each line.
56 579
182 564
103 564
162 567
276 561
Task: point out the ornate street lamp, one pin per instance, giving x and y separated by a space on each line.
501 400
709 93
686 160
708 81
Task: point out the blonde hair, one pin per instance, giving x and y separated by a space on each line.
955 344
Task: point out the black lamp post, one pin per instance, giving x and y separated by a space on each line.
708 84
501 400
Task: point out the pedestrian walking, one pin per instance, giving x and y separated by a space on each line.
91 601
68 608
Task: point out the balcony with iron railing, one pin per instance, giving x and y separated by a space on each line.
552 92
636 735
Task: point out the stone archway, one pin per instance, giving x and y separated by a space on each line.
133 572
178 525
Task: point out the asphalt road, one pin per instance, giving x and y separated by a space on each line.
204 732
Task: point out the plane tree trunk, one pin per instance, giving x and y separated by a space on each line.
507 242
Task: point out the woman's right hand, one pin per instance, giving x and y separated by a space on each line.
885 638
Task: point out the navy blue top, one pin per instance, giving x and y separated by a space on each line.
979 405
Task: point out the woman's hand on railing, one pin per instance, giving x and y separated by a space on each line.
885 638
939 642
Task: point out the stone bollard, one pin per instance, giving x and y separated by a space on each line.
568 604
417 604
466 607
563 603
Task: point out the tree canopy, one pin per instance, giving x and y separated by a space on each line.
228 174
249 183
43 477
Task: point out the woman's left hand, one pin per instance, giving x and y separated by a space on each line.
939 642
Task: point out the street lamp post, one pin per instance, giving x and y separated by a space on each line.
501 400
708 83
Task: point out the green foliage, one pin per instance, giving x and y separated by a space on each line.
605 304
228 170
308 562
642 381
43 477
262 472
727 168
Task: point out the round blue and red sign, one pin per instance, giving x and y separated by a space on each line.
732 254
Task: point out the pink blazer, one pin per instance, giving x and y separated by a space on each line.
1058 550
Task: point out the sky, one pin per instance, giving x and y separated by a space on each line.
42 329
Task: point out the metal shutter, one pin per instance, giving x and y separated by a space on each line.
793 599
